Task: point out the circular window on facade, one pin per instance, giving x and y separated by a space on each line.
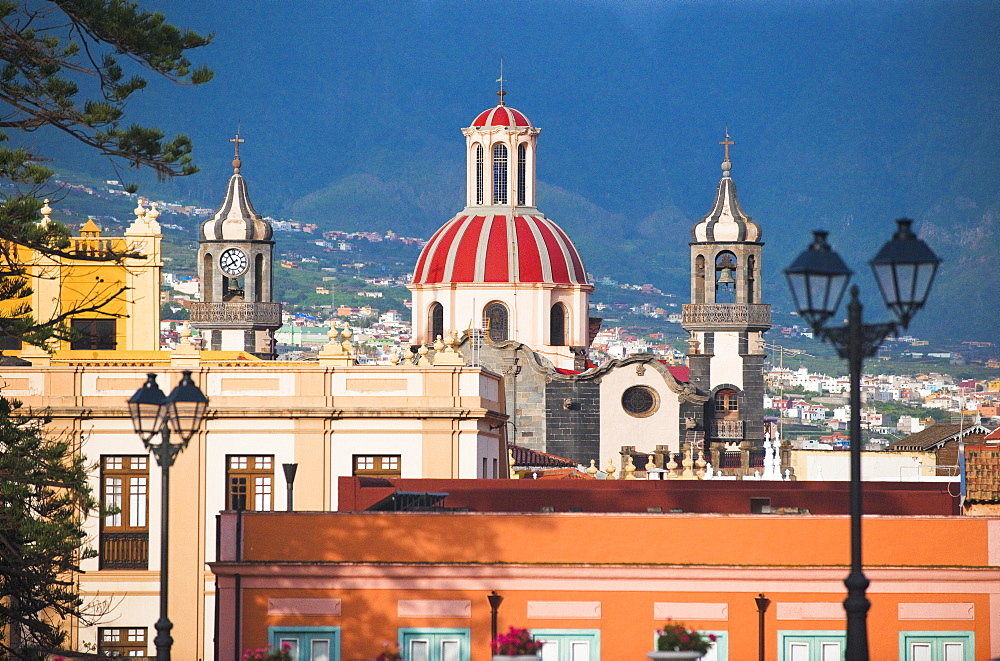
640 401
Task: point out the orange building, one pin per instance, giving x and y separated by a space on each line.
598 585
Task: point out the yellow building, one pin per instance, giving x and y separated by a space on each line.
109 287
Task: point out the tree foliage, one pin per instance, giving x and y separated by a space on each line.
70 66
44 497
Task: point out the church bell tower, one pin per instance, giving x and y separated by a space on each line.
235 256
726 320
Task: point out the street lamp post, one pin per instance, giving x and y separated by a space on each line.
290 470
762 604
154 414
904 269
495 601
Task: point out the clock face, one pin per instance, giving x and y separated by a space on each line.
233 261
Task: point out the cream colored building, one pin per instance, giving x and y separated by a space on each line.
426 417
330 419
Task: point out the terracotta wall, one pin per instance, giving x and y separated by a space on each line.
622 574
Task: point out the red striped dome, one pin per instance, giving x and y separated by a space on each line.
501 116
500 249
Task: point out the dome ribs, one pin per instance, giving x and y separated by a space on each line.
436 265
467 249
578 270
530 260
496 267
556 251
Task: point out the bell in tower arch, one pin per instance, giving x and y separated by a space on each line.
725 283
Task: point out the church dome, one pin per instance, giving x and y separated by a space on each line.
501 116
500 249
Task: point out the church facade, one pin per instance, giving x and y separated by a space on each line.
500 269
513 280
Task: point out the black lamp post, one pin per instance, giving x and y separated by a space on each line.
495 601
762 604
904 268
154 414
290 470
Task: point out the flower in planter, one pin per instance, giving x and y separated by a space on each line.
516 642
675 637
390 652
269 654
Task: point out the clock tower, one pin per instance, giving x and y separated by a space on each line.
235 256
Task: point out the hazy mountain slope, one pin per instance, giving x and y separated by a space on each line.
846 115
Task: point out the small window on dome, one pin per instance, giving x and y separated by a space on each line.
495 321
479 174
522 170
557 325
499 174
436 321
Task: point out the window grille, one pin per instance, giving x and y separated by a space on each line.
640 401
522 168
121 641
250 482
496 321
437 321
479 174
499 174
377 465
124 534
95 334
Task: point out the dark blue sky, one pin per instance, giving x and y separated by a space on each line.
632 96
846 115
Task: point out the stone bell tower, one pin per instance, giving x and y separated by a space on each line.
235 257
726 319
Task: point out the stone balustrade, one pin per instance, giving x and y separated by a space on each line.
737 315
236 312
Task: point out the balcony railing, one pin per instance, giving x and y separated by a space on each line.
732 429
124 550
236 312
697 314
730 459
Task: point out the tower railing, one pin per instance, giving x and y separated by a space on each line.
694 314
236 312
729 429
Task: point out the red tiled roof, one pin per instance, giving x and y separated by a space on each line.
527 457
982 473
935 436
681 372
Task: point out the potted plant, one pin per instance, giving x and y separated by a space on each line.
390 652
515 644
675 641
269 654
